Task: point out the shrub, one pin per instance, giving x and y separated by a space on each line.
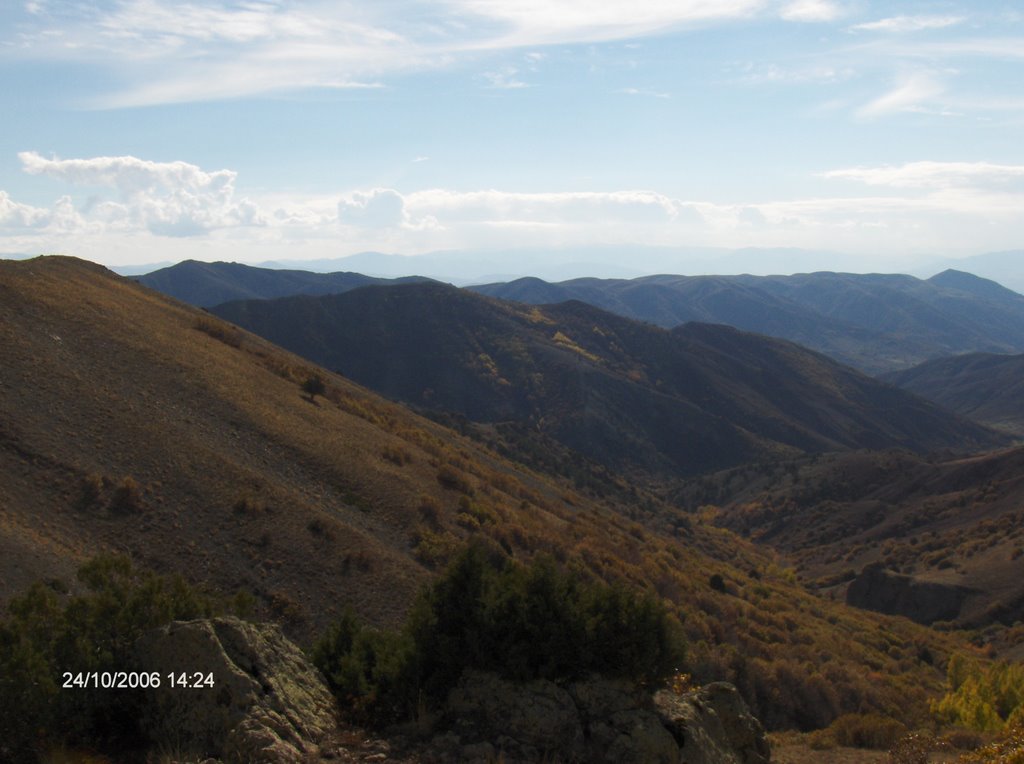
397 455
454 480
914 749
866 731
430 510
521 622
314 386
127 497
220 330
47 634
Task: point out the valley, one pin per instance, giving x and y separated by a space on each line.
737 478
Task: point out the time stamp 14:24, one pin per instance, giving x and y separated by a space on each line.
131 680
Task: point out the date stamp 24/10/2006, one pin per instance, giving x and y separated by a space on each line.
133 680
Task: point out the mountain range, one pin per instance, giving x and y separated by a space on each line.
208 284
874 322
131 422
554 263
628 395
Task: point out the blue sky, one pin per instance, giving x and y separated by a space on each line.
147 130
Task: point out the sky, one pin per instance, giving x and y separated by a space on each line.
138 131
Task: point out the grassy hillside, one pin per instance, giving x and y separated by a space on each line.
133 423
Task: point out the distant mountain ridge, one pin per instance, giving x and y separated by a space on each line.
623 393
874 322
208 284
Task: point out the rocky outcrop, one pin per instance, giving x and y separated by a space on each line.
896 594
713 726
598 721
267 702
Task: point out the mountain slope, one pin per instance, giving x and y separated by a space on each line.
981 386
626 394
132 423
874 322
207 284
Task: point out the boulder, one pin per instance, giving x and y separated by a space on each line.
712 725
621 725
267 702
526 721
597 721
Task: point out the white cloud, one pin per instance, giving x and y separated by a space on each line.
642 92
377 208
539 22
565 208
761 73
16 215
811 10
911 93
932 175
167 198
171 52
901 24
504 79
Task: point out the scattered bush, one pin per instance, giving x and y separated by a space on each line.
91 491
314 386
914 749
430 510
397 455
866 731
454 480
220 330
127 497
716 582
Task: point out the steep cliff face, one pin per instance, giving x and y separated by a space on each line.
895 594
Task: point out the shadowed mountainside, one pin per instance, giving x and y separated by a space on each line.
874 322
208 284
984 387
628 395
132 423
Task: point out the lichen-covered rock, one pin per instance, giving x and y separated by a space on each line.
621 726
525 721
712 725
267 702
597 721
